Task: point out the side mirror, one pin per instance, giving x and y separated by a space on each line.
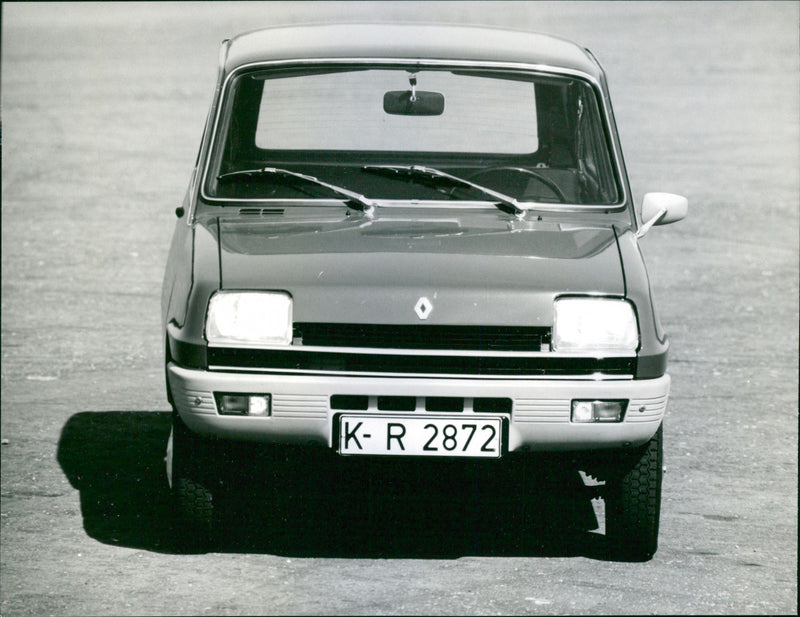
661 209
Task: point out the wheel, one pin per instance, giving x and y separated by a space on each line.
633 504
528 172
196 487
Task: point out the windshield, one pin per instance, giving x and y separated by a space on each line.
531 137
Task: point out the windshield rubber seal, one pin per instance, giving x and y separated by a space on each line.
533 69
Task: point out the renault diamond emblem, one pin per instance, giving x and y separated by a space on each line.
423 308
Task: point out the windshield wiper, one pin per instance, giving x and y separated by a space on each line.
502 201
352 199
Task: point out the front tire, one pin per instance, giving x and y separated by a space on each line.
633 503
196 488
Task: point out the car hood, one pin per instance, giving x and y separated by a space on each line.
375 271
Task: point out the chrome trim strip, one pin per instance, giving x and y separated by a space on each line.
530 68
192 197
464 376
385 351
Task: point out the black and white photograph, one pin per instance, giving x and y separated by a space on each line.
399 307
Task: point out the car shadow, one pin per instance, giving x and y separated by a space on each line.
310 502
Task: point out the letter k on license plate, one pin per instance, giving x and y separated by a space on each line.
420 436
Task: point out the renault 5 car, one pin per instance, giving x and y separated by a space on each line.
416 241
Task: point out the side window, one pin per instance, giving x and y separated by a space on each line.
556 123
593 158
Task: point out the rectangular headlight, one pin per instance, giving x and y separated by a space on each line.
249 318
603 325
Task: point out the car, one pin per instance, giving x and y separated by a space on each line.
410 241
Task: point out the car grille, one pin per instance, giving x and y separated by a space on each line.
429 350
456 338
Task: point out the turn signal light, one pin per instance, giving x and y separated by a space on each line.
244 404
598 411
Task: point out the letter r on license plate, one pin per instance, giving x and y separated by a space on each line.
420 436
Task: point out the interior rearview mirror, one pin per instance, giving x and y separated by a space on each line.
413 103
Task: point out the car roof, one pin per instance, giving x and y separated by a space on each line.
407 41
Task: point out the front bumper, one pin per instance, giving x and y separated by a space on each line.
302 413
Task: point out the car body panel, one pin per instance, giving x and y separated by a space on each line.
539 421
424 41
520 273
475 264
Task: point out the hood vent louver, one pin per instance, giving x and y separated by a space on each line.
261 211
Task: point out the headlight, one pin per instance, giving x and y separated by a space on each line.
595 325
249 318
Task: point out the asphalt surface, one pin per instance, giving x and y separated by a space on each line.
102 110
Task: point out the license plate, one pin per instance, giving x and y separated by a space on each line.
420 436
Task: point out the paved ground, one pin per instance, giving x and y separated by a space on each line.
102 109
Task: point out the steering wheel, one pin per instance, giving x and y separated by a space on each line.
528 172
